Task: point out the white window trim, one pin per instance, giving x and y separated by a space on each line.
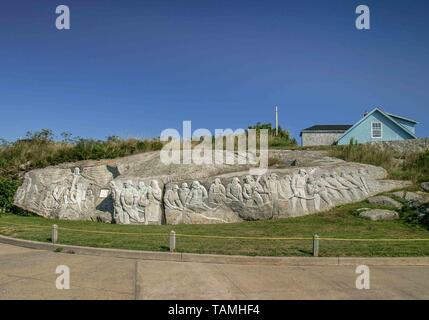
381 130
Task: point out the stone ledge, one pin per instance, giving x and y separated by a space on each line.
219 259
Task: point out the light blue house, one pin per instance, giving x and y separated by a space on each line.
378 125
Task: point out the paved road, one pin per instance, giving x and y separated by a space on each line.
30 274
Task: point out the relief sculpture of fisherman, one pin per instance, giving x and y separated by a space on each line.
129 198
217 192
298 184
234 191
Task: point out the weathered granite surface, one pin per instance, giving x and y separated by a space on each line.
385 201
379 214
141 190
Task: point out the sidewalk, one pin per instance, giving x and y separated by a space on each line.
30 274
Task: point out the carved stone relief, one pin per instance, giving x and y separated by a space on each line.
75 193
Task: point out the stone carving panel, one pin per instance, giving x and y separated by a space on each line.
105 193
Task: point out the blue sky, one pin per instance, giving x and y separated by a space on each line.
134 68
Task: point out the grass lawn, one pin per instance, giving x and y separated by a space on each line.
340 222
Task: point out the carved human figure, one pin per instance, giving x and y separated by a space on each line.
274 189
118 212
129 198
234 191
314 192
184 192
79 195
332 191
334 184
217 192
171 198
76 176
251 192
298 185
143 200
356 181
286 184
24 189
196 196
89 198
49 202
323 190
153 209
66 199
351 186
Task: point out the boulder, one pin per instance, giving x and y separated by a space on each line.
142 189
379 214
362 210
385 201
399 194
425 186
417 198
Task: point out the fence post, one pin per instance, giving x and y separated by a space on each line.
172 244
54 234
315 245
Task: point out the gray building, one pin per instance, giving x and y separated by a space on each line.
319 135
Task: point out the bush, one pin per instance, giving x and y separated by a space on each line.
283 139
8 188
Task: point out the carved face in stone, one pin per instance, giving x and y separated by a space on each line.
154 184
302 172
142 185
235 180
195 185
128 184
273 176
76 171
249 179
184 185
217 181
175 187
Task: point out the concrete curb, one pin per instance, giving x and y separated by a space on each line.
217 259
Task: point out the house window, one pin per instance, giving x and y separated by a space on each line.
376 129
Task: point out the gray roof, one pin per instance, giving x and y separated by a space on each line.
329 127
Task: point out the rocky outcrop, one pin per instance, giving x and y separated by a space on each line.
385 201
379 214
141 190
413 199
425 186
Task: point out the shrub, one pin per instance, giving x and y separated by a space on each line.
283 139
8 188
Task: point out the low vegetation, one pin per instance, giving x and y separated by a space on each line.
279 140
240 238
406 166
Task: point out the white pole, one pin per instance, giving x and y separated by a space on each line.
277 121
